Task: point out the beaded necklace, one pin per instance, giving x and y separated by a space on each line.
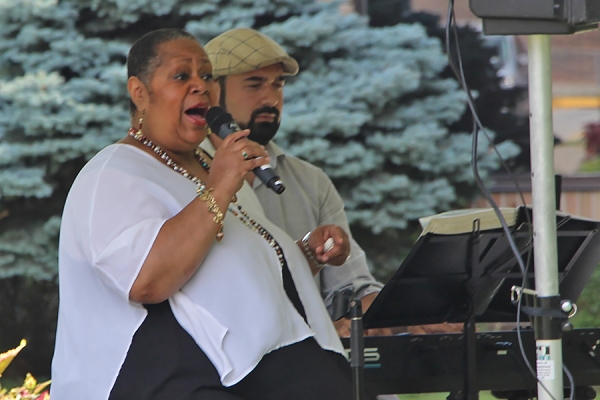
137 135
234 208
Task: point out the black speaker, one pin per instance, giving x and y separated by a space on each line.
530 17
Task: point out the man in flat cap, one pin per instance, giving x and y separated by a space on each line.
251 69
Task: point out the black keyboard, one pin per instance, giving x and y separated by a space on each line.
435 362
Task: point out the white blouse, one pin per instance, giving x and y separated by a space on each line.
235 306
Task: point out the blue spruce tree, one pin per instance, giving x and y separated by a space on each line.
369 107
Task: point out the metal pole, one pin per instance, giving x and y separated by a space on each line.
357 349
547 330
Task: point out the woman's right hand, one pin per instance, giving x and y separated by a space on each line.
234 158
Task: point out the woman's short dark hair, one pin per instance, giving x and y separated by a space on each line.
143 58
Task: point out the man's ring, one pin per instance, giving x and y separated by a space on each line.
245 155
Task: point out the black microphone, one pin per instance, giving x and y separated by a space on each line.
222 123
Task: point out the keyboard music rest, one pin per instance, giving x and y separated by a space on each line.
434 363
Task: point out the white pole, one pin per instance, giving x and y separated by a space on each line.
548 332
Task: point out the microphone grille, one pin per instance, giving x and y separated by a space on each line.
216 117
213 113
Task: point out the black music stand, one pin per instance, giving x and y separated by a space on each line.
455 278
578 247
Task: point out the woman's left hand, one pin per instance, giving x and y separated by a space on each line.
330 244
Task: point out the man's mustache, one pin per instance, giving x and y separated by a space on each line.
265 110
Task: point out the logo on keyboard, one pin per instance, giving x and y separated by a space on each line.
372 357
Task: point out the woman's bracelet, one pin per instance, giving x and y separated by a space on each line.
309 253
206 195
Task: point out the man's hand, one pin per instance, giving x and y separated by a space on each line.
342 326
326 244
338 250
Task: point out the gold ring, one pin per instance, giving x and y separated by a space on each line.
245 155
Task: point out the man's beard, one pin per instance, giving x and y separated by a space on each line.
263 132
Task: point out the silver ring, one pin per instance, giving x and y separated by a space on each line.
245 155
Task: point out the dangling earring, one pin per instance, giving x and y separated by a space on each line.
208 132
139 131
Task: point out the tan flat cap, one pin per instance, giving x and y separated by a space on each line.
242 50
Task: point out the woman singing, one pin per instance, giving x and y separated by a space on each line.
173 284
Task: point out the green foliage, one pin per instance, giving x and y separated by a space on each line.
499 109
591 165
31 252
588 304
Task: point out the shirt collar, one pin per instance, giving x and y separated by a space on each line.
275 152
208 147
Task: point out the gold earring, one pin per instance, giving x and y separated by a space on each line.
208 132
141 121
